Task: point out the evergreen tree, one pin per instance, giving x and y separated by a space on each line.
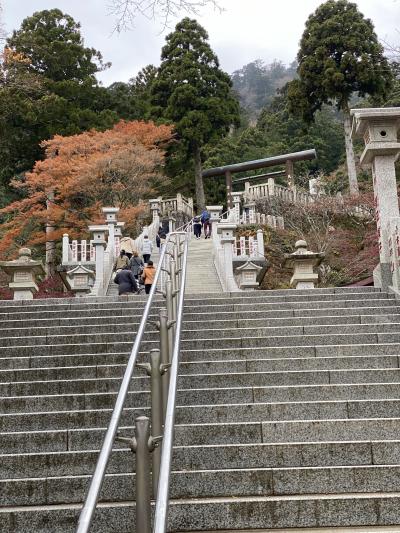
339 55
47 87
191 91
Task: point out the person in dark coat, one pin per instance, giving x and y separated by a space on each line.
126 281
197 227
136 264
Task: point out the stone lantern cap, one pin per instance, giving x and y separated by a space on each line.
249 266
379 127
302 252
111 213
23 263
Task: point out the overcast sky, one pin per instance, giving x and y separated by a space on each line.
246 30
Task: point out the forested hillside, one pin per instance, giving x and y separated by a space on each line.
256 84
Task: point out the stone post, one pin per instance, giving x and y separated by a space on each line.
65 249
190 202
236 199
260 242
215 213
23 272
226 230
246 195
179 203
155 208
379 128
99 243
303 262
171 223
111 220
271 187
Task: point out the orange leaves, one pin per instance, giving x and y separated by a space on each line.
81 173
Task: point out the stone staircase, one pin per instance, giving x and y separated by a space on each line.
288 411
202 276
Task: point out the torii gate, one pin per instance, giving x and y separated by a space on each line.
285 159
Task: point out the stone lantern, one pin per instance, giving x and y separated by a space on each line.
80 280
215 213
248 275
23 272
111 221
155 207
379 128
304 263
99 243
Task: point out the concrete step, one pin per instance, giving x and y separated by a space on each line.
201 367
257 512
209 457
255 379
209 484
193 321
31 419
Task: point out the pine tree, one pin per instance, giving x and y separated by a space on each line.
339 56
191 91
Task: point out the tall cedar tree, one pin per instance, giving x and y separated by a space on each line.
81 173
51 90
339 56
194 93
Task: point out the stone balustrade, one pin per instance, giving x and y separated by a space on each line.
271 189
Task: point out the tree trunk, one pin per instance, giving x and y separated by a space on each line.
351 164
50 244
200 199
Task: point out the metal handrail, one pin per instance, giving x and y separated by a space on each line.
162 503
92 496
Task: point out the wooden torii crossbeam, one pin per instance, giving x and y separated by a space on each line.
285 159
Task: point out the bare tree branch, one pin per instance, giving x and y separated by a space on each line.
126 11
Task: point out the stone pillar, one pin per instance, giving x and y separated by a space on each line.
246 195
23 272
155 207
65 249
179 203
260 242
111 220
215 213
227 240
236 199
228 181
99 243
171 223
190 202
379 128
271 187
289 168
303 262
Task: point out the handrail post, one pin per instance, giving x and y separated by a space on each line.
141 445
155 370
172 267
164 351
171 315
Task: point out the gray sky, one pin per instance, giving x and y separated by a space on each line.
246 30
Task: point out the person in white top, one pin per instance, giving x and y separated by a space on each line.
147 248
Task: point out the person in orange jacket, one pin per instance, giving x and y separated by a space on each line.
148 276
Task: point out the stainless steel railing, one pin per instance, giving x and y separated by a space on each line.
170 324
162 503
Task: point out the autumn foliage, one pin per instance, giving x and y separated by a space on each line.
119 167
